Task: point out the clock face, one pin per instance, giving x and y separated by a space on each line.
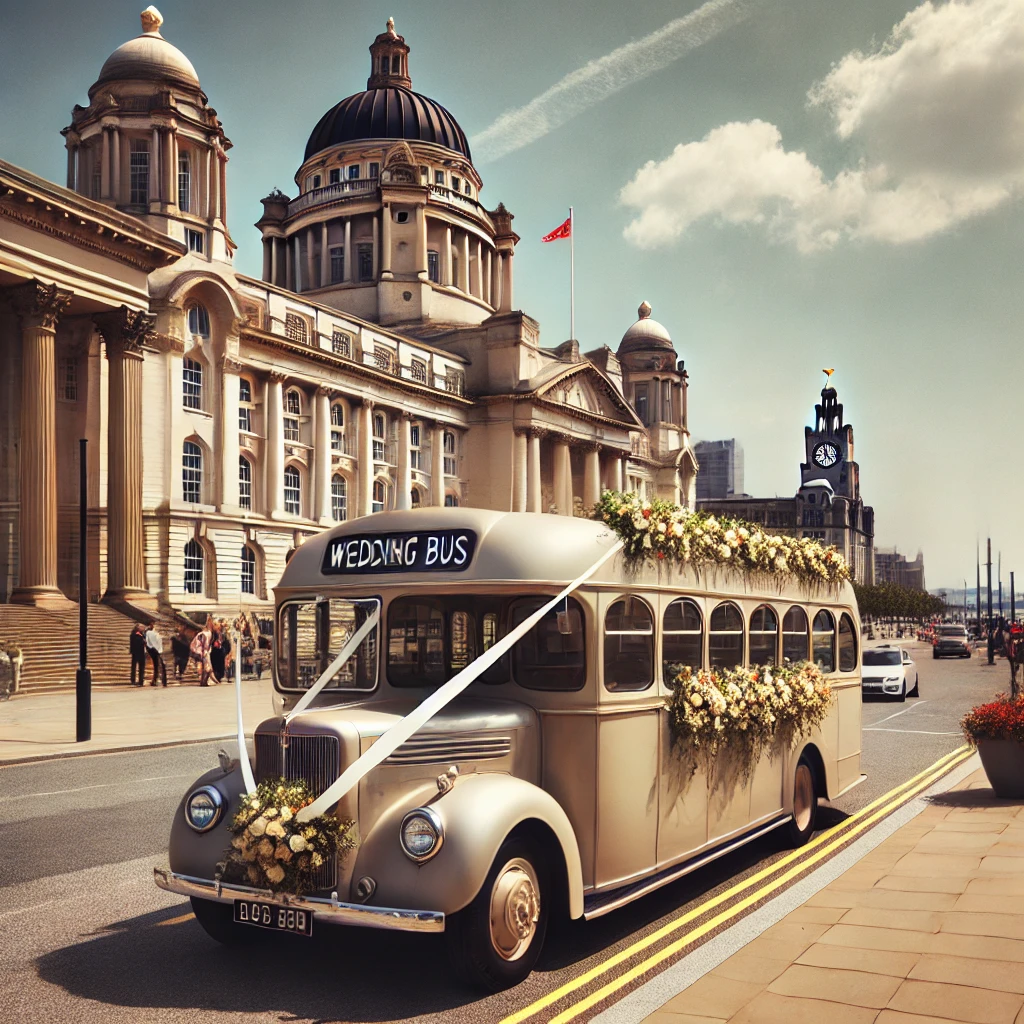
826 455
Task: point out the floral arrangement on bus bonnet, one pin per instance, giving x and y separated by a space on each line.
658 530
745 712
272 849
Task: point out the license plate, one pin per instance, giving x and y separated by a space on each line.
278 919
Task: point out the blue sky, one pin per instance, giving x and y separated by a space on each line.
791 185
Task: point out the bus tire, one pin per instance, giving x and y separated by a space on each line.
218 921
800 827
494 942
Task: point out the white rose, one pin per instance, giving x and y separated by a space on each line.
696 700
275 874
275 829
297 844
286 814
258 827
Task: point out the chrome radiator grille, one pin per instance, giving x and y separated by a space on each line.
316 760
440 748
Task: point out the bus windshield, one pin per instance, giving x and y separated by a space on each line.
312 635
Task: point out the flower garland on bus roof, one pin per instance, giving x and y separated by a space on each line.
658 530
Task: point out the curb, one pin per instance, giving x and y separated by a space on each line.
34 758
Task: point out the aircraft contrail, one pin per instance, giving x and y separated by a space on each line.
600 78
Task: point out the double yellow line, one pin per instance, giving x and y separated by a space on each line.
801 860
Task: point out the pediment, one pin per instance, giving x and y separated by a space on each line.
590 392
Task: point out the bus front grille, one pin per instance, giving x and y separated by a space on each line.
316 760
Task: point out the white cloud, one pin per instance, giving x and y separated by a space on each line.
603 77
936 114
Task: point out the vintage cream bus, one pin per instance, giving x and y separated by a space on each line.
550 786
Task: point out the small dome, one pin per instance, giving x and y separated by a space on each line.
148 56
645 334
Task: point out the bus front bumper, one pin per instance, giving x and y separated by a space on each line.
354 914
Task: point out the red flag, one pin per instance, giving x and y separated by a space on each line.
564 230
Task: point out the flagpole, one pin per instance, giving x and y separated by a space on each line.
572 279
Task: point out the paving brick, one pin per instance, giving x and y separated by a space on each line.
857 879
667 1017
966 825
893 899
744 967
961 970
896 1017
852 988
772 1008
861 937
714 996
1002 865
957 1002
978 903
936 865
875 917
873 961
979 947
910 883
969 843
829 897
990 886
1006 926
778 949
816 915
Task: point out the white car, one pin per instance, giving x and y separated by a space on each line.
888 670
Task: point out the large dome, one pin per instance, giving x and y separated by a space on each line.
148 56
645 334
389 112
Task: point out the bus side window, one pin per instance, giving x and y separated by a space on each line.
549 657
628 645
825 641
794 636
682 641
847 644
764 636
725 637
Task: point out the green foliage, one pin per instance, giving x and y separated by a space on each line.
891 601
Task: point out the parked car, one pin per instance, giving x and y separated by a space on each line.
951 640
887 670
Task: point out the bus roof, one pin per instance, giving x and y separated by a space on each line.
509 547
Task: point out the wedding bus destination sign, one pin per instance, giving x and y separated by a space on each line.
422 551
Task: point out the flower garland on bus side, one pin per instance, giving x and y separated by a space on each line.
271 849
744 712
658 530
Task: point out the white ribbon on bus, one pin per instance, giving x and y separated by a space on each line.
391 740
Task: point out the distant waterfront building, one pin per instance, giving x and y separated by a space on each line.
828 506
892 567
721 469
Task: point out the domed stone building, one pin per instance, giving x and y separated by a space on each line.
380 362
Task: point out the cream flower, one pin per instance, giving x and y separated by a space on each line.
286 814
276 829
275 874
297 844
259 826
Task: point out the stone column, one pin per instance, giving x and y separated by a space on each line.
311 260
403 499
322 455
437 465
618 472
105 144
446 256
230 448
297 262
365 442
489 278
222 161
506 283
385 249
562 476
172 160
204 179
478 282
349 255
421 243
274 458
325 257
376 247
115 161
289 270
533 490
267 276
519 472
215 185
170 169
464 263
592 475
39 307
124 331
154 170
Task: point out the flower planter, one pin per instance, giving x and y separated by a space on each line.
1003 761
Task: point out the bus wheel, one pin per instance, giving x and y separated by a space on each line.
218 921
805 804
494 943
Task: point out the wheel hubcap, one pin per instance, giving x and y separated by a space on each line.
515 909
803 796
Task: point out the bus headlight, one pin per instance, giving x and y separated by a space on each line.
421 834
203 808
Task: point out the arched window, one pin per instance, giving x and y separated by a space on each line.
380 496
244 405
192 472
248 570
292 491
292 411
764 636
795 640
339 498
414 498
191 383
415 447
450 459
194 565
824 636
337 427
244 482
384 65
451 501
628 645
184 181
725 637
379 427
682 638
847 644
198 321
337 415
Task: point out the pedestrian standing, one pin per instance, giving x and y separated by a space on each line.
155 650
217 654
137 647
180 643
200 651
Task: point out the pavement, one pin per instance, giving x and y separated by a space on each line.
42 725
925 928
